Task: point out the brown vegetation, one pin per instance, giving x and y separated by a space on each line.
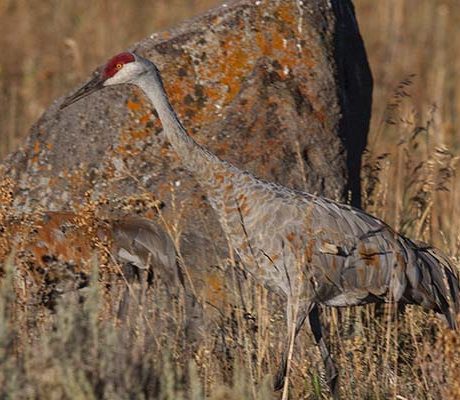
80 349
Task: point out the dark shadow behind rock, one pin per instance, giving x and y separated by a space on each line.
355 92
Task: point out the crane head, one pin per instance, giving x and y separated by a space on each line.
123 68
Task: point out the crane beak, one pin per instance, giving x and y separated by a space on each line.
92 86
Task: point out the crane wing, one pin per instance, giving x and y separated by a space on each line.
360 259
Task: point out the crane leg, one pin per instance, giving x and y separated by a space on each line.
332 375
282 369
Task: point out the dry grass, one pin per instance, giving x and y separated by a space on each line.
81 350
417 42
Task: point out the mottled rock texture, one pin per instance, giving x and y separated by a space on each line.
281 88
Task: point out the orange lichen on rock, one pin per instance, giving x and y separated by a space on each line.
144 119
140 134
283 47
214 290
59 236
285 13
36 149
133 106
233 65
35 152
6 200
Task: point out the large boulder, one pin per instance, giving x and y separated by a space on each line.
279 88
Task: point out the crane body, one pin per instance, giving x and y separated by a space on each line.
312 250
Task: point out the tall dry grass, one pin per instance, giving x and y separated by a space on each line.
81 351
414 52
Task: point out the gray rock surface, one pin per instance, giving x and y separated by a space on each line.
279 88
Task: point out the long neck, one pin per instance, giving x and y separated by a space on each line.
196 158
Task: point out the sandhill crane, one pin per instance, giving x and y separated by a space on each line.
136 240
141 242
62 250
137 244
312 250
144 248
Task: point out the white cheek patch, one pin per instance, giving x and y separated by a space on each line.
125 74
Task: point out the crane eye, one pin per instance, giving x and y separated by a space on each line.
119 66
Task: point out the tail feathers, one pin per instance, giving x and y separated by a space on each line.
438 285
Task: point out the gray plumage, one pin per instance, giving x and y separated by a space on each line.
144 243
